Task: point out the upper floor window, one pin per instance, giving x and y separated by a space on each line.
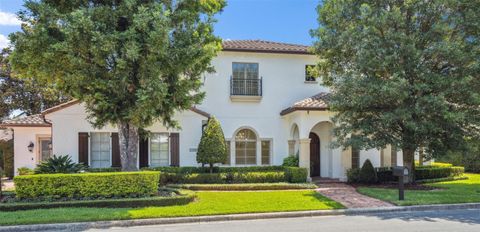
309 76
245 80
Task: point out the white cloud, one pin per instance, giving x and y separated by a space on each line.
9 19
4 41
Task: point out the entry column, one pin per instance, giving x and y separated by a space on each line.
304 156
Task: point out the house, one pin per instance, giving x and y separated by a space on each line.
267 103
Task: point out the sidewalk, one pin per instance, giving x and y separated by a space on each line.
348 196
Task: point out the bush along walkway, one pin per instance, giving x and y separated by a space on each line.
348 196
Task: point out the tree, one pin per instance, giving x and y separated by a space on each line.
212 148
26 95
132 62
404 73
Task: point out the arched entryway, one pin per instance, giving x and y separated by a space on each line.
314 155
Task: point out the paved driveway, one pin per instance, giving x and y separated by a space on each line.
434 221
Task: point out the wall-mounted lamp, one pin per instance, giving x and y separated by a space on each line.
30 147
49 146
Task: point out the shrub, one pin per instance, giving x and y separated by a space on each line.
112 169
204 178
212 148
296 175
114 184
290 161
25 171
258 177
353 175
385 174
367 173
59 164
422 173
243 187
188 170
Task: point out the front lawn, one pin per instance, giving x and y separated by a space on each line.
460 191
208 203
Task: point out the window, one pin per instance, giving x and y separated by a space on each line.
246 147
266 152
159 150
45 148
245 70
355 157
100 150
308 73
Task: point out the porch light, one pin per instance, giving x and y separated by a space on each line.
30 147
49 146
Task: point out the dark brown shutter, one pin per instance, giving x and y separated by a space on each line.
83 148
115 151
355 157
174 149
143 151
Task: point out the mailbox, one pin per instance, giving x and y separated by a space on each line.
400 171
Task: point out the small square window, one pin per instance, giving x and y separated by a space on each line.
309 75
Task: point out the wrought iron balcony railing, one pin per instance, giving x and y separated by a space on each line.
245 87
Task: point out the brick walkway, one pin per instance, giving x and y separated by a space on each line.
348 196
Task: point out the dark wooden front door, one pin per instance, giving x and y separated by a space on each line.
314 155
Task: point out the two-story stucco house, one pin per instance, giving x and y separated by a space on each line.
268 106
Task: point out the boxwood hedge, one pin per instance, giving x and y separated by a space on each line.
113 184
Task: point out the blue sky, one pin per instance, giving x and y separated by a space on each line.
277 20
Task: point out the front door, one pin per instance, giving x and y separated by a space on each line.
314 155
45 148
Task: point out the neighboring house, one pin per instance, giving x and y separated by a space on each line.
268 106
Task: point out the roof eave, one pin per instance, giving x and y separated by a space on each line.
293 109
266 51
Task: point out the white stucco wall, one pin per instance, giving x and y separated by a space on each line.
22 138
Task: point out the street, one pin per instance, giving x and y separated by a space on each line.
450 220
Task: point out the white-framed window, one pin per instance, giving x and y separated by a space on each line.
159 150
266 151
245 147
100 150
245 70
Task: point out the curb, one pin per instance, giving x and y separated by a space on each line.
232 217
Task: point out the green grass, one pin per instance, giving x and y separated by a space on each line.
208 203
460 191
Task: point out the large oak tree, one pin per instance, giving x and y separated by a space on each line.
132 62
402 72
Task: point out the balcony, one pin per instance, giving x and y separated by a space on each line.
245 89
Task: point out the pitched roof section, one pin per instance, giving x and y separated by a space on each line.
264 47
318 102
35 120
60 106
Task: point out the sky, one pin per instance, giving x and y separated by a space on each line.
286 21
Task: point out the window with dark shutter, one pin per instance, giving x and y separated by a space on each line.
83 148
355 157
174 149
143 152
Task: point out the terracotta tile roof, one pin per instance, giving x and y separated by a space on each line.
264 46
317 102
35 120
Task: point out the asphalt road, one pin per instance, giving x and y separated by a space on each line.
450 220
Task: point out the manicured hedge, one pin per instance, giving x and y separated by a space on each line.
296 175
114 184
244 187
188 170
222 178
183 197
422 173
385 174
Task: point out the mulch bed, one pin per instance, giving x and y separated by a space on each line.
395 186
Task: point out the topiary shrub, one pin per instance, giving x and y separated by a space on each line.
59 164
368 175
290 161
94 185
422 173
212 148
296 174
353 175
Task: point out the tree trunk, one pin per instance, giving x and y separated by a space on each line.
421 156
128 139
211 168
409 162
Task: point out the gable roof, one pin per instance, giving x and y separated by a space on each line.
264 46
36 120
317 102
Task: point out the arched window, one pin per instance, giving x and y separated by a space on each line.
246 147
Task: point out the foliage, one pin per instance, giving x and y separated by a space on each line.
296 175
459 191
25 171
58 164
181 197
6 156
385 174
243 187
353 175
187 170
438 172
114 184
404 73
28 95
208 203
223 178
290 161
368 175
259 177
132 62
111 169
468 158
212 148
